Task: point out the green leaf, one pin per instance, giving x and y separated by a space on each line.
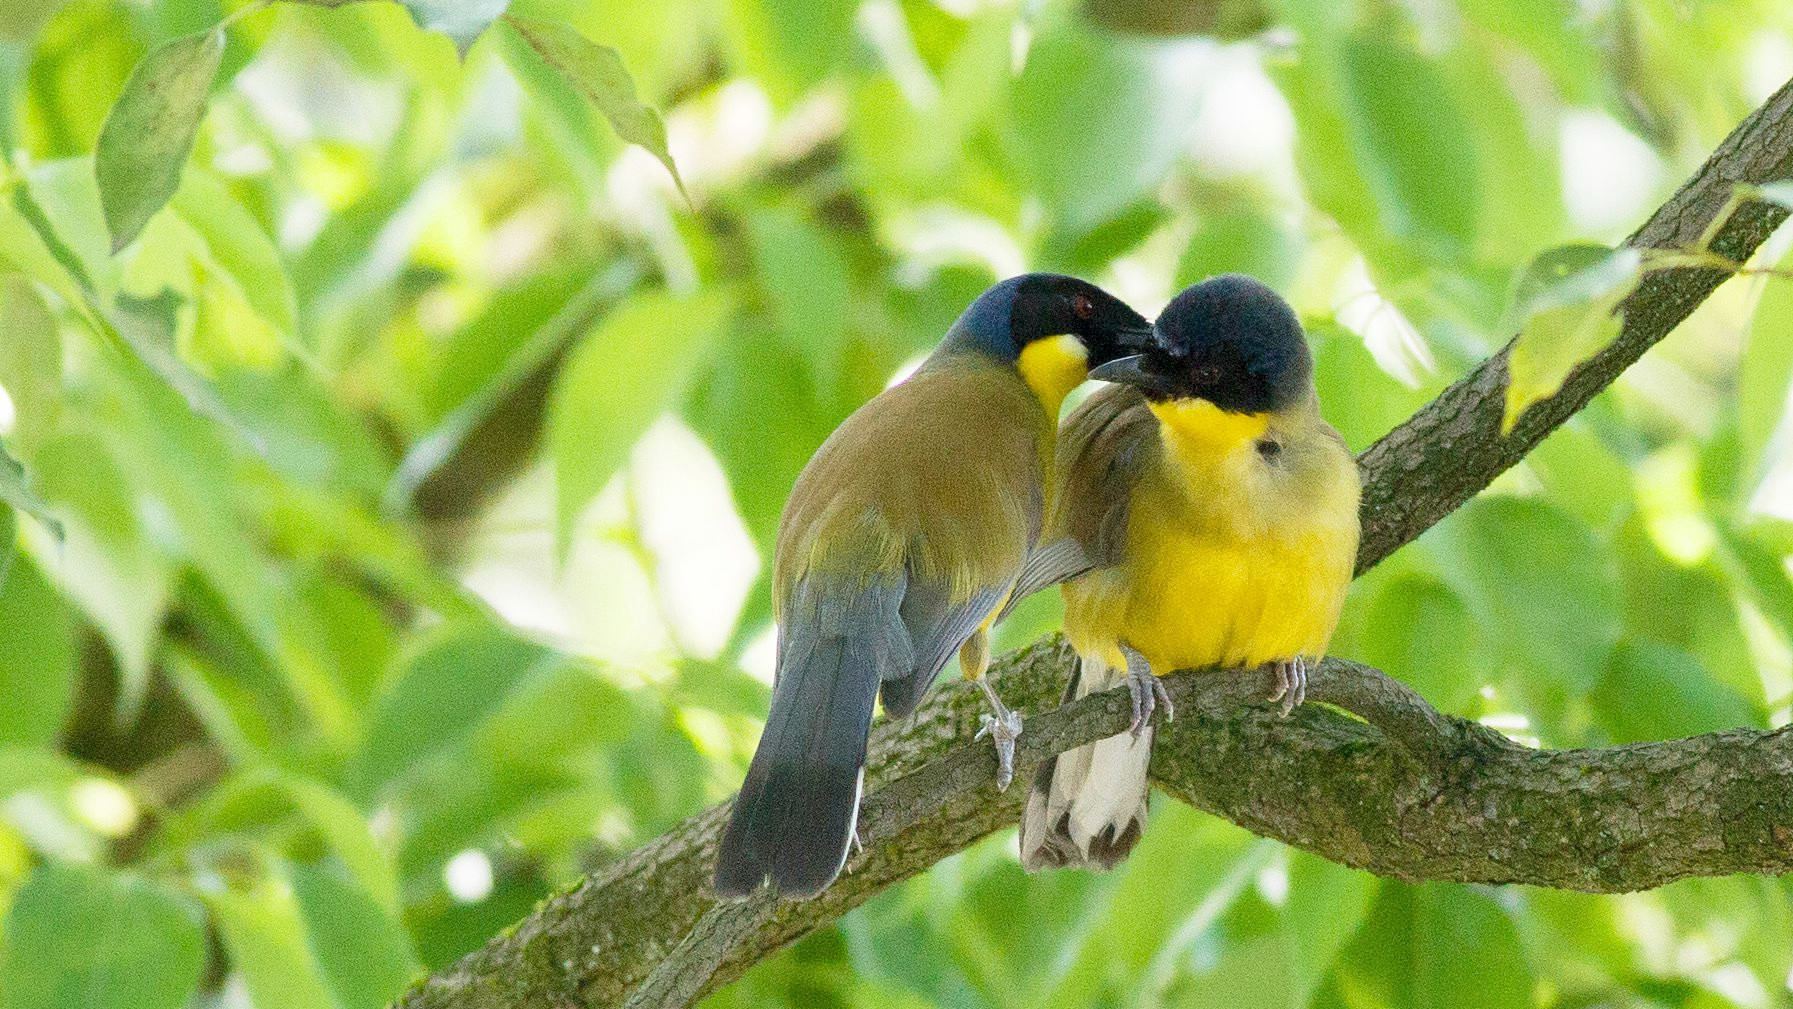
623 375
1245 240
37 666
13 491
491 370
149 133
25 246
81 938
20 21
566 710
1086 162
1583 473
9 544
454 681
1420 632
361 949
264 797
348 834
1435 945
30 359
463 21
1326 903
1565 307
1567 47
256 908
108 563
1762 573
62 201
755 408
1653 692
597 72
486 352
1382 145
1531 570
147 328
805 278
790 46
1185 863
1411 138
239 247
1765 374
1518 200
25 201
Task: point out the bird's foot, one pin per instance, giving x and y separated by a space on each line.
1003 725
1291 683
1147 690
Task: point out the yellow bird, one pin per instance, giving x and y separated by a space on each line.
901 540
1206 516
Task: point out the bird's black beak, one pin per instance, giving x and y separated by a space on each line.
1137 371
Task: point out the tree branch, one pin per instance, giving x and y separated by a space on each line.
1404 792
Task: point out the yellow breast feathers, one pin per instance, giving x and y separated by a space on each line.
1239 545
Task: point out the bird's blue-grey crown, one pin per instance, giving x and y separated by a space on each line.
1229 340
1015 312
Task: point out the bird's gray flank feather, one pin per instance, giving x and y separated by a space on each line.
937 627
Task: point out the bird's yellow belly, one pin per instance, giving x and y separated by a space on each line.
1193 598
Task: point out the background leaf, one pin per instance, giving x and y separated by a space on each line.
1565 308
1435 945
37 668
623 374
597 73
80 938
150 131
1419 155
447 687
15 492
30 358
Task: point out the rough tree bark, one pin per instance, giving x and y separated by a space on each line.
1400 790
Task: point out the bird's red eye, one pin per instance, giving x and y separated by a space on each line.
1082 306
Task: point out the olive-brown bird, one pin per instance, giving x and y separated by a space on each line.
1212 514
902 539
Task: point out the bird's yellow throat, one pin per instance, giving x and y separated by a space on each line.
1197 425
1052 366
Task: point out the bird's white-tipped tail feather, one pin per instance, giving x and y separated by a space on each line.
1088 805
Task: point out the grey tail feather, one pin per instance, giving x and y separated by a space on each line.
1087 806
798 808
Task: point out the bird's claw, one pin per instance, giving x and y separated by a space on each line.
1147 690
1291 683
1003 729
1003 725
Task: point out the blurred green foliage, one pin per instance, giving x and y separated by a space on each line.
384 527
